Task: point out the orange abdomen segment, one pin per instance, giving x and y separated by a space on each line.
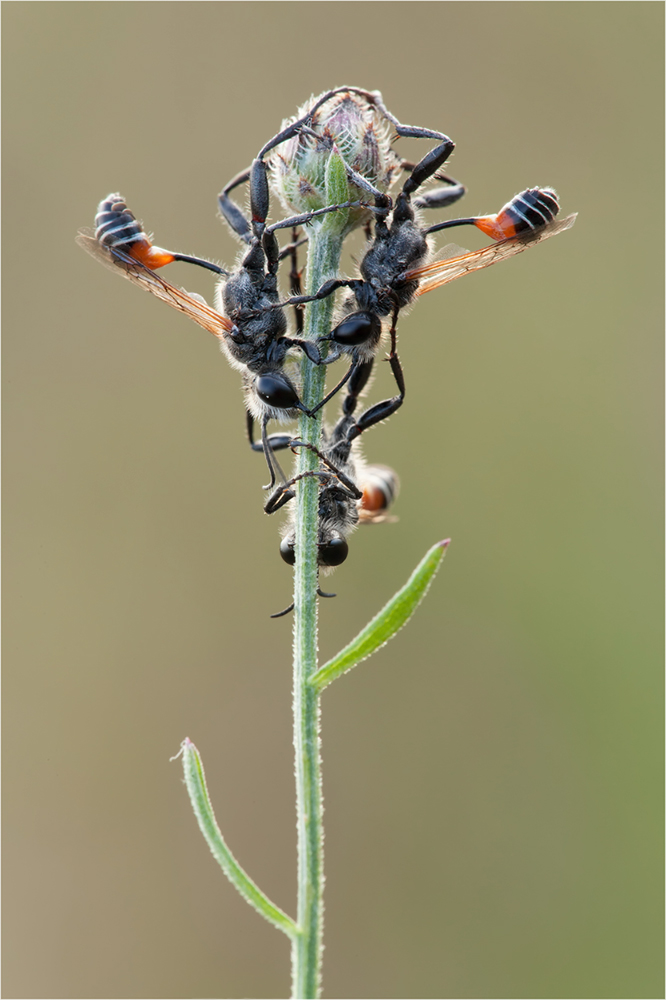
374 498
498 227
148 255
526 212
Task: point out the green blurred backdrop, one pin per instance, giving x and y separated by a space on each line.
492 779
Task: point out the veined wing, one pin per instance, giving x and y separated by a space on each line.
441 272
189 303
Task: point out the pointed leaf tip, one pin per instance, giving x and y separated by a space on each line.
390 619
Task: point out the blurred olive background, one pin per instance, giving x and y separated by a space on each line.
492 778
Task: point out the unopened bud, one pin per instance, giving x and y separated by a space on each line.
353 128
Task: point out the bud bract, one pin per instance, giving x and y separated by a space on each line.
349 126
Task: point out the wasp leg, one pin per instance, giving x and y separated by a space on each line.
271 460
278 499
307 217
325 290
283 494
352 489
310 350
380 411
231 213
441 197
358 383
276 442
336 389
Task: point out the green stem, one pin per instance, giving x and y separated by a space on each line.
324 247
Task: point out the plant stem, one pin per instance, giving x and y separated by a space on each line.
324 247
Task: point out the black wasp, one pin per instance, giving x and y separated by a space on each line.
392 269
392 251
393 265
253 333
395 260
351 492
238 295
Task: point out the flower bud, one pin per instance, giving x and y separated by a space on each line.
353 128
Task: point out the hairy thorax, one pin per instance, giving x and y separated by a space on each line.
388 258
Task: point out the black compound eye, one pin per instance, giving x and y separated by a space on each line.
276 391
357 329
287 551
334 552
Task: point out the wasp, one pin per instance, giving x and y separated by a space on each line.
251 330
396 259
394 272
351 492
378 292
236 297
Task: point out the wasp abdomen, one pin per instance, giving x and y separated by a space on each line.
115 225
380 488
526 212
118 229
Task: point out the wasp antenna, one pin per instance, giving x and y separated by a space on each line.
281 614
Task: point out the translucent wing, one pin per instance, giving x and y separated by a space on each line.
191 304
375 517
441 272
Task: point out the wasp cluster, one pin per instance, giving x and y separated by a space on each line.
250 317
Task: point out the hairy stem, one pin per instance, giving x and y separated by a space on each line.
324 247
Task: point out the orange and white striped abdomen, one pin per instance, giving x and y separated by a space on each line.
118 229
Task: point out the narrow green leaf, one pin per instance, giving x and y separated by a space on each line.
195 780
389 620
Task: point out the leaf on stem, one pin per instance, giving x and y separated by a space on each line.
389 620
195 781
